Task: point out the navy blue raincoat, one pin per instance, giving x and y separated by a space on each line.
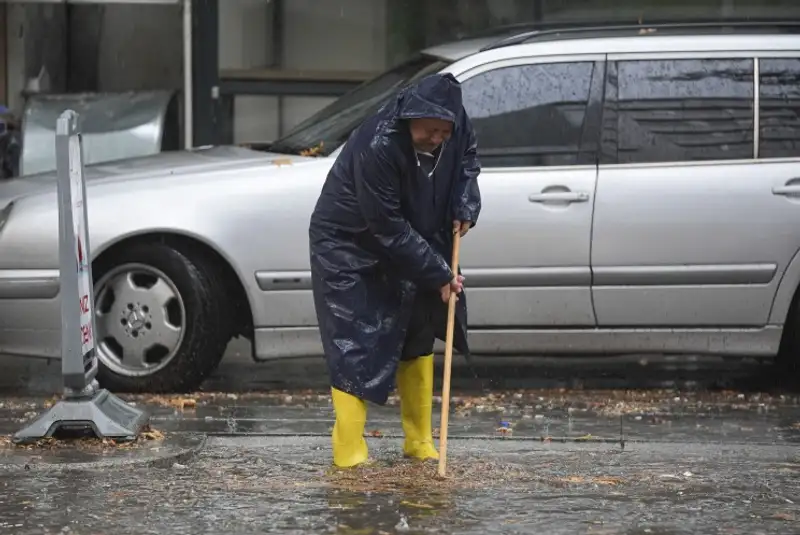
382 230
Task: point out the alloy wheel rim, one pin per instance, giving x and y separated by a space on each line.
140 320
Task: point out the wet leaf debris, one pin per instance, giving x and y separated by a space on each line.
85 444
411 475
532 402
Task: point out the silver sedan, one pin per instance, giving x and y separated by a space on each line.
633 202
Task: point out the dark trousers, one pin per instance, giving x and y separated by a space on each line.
421 335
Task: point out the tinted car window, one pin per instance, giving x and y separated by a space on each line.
779 114
529 115
678 111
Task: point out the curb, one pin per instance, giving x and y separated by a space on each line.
196 444
554 440
452 438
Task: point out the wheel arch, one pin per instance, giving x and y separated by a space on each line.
787 293
242 322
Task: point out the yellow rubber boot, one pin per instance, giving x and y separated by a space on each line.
349 445
415 385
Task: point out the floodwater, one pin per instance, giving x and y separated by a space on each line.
284 485
559 460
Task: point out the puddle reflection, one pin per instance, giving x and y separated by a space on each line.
374 513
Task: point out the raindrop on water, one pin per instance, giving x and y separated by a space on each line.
402 525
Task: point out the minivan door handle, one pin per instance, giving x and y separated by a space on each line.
786 190
559 196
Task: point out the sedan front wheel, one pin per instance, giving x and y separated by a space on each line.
159 321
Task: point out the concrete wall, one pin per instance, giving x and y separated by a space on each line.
348 35
109 48
121 47
141 47
245 43
86 21
35 37
318 35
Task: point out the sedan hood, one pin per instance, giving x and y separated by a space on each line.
155 166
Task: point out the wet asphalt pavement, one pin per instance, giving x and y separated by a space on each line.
578 446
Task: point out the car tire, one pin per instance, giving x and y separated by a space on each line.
191 326
787 369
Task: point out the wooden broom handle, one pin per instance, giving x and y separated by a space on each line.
448 362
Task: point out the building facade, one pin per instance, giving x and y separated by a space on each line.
260 67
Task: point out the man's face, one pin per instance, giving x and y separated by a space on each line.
428 134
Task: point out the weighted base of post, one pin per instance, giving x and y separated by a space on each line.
103 414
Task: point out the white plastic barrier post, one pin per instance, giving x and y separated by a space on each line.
84 407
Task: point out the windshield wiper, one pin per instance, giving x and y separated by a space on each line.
283 148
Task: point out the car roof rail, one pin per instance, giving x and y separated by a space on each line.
577 30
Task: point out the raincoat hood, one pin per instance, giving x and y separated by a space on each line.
437 96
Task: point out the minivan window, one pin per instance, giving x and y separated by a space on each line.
779 110
529 115
678 111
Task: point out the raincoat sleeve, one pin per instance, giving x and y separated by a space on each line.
467 201
377 190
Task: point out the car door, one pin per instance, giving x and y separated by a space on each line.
688 228
537 124
779 160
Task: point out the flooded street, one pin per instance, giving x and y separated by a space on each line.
189 185
692 447
279 485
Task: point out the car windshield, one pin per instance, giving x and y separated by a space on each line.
326 130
